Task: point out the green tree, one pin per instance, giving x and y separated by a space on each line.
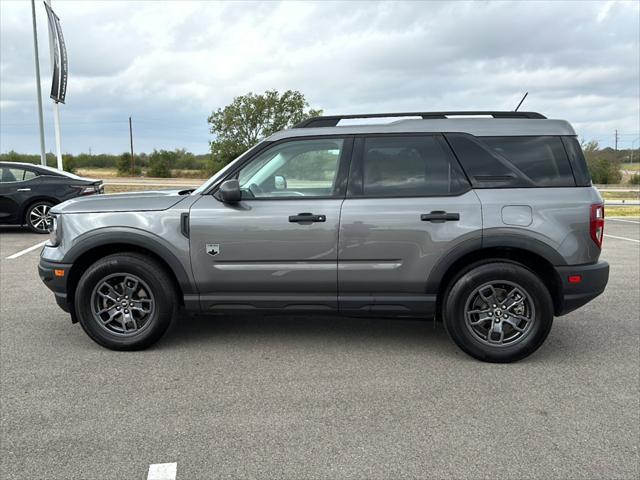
249 119
604 171
123 164
161 162
603 164
590 148
69 163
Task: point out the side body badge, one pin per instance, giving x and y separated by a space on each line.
213 249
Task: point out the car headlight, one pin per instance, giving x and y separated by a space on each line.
54 230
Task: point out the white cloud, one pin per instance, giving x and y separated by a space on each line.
168 64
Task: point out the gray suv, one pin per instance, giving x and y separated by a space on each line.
485 220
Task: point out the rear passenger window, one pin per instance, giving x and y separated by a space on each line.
12 175
29 174
409 166
542 159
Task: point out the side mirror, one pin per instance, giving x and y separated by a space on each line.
280 182
229 192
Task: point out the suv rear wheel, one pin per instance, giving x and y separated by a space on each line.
125 301
498 312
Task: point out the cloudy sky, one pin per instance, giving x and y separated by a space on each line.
169 64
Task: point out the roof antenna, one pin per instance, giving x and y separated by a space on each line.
525 96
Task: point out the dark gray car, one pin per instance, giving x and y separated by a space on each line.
489 224
27 193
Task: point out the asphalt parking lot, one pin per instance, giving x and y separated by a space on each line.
318 397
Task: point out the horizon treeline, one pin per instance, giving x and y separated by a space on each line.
605 164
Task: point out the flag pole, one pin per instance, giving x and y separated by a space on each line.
56 107
43 157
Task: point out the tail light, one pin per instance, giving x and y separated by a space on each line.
596 223
90 189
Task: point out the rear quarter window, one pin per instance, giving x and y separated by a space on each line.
513 162
542 159
578 162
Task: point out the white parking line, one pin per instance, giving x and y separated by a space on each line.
26 250
616 219
623 238
162 471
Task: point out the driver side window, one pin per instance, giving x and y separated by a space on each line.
299 168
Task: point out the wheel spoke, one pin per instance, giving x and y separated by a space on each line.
495 328
138 305
516 320
106 309
490 298
515 297
130 286
112 315
123 322
483 316
112 294
107 297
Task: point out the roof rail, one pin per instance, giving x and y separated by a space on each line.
333 120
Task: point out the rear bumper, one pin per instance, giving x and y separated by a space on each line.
593 281
57 284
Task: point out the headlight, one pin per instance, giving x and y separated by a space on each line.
54 230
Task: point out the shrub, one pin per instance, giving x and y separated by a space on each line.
123 163
604 171
161 162
635 179
212 166
69 163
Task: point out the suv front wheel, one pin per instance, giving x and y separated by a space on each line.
498 312
125 301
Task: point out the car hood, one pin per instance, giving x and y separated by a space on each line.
121 202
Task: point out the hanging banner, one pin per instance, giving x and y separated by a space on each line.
60 67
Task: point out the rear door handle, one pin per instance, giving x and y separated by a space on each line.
439 216
24 190
307 217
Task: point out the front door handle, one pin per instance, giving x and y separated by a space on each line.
307 217
24 190
439 216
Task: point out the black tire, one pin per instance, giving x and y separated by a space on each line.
34 217
468 290
163 302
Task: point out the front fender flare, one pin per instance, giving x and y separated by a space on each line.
135 237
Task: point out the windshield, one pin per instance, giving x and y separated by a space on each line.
222 172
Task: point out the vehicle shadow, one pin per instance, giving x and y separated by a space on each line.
306 329
311 330
14 229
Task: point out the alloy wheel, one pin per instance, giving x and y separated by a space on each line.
499 313
39 217
122 304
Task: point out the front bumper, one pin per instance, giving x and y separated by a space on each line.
593 281
56 283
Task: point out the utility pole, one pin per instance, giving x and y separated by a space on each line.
43 156
56 109
133 159
616 139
